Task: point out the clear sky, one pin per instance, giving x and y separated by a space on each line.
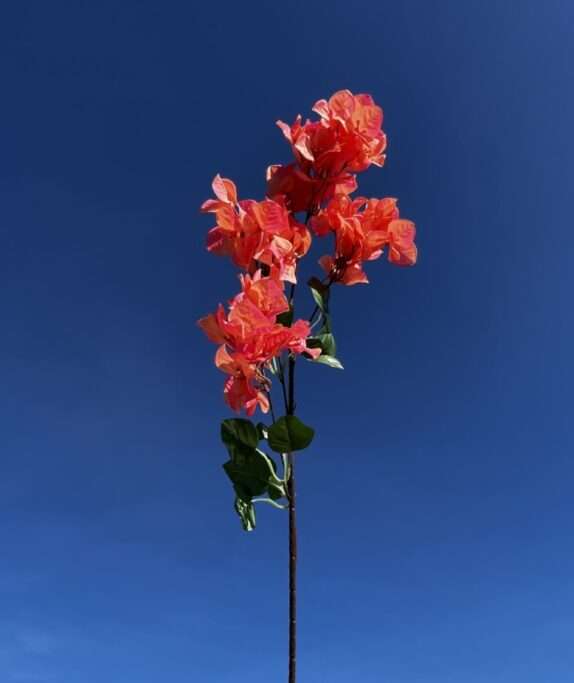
436 504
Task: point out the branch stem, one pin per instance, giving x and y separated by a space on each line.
289 398
292 574
291 497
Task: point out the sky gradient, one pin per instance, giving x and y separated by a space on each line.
436 506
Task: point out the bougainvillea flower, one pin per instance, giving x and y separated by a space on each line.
250 327
283 240
362 229
292 183
255 233
266 293
246 386
233 235
273 341
402 248
348 136
302 192
240 393
250 337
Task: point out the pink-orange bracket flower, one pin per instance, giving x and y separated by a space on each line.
250 337
301 192
348 136
255 234
363 228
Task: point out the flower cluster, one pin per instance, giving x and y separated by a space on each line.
347 139
250 336
347 136
362 228
254 233
265 239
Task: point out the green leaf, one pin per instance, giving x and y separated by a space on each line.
331 361
289 434
251 472
320 293
325 342
242 492
236 432
328 344
246 512
326 327
318 299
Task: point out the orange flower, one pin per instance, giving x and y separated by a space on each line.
266 293
250 337
283 240
302 192
233 235
255 233
240 393
402 249
362 228
348 136
246 386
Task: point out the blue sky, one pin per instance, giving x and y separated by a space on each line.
436 503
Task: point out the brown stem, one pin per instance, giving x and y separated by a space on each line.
292 574
291 493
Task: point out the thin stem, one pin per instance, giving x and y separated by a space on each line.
271 502
271 405
291 496
315 310
292 573
291 399
285 461
283 388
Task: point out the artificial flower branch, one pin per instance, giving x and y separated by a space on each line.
258 334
